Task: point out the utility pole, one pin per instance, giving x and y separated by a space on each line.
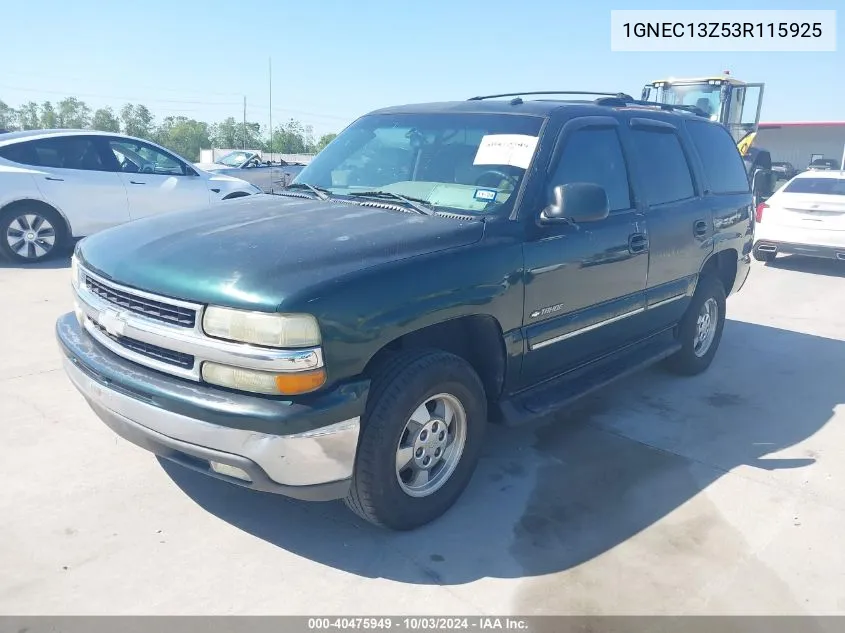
270 60
244 142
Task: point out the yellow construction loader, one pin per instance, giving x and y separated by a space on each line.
735 104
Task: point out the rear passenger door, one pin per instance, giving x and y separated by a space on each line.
584 293
77 178
680 223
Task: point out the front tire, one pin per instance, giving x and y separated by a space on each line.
420 441
700 331
31 233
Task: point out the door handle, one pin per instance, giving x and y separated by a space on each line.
135 182
700 228
55 179
637 242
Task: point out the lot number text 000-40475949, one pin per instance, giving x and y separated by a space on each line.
725 30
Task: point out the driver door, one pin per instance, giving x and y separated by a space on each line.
160 183
585 284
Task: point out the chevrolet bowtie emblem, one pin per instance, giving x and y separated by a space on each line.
112 321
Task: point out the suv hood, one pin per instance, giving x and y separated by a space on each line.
256 251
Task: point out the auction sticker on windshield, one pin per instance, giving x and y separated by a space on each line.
506 149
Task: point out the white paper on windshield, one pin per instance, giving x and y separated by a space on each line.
506 149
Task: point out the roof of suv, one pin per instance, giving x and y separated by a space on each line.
535 107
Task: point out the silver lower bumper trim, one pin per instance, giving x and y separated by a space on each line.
315 457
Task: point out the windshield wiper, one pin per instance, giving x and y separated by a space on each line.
414 203
321 192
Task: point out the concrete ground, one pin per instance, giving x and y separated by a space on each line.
720 494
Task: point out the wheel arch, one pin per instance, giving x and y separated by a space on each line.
476 338
723 265
42 204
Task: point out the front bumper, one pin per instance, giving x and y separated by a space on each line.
304 449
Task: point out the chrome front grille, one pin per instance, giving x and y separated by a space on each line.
166 334
169 356
150 308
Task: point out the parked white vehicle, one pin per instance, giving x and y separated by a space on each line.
57 185
804 217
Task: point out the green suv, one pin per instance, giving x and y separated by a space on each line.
436 268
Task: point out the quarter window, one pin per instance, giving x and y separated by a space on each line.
595 155
723 165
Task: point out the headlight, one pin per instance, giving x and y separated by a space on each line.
74 271
262 328
282 384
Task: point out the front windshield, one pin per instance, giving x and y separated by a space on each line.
704 96
464 162
233 159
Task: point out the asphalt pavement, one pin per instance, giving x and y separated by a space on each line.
718 494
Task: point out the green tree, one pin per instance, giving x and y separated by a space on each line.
73 113
230 133
293 138
184 136
137 121
325 139
8 117
28 116
48 118
105 121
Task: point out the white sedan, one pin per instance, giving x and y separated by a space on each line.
58 185
804 217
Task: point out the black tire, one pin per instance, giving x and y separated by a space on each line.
764 256
401 385
686 361
30 252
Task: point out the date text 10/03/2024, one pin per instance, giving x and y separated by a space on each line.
762 30
423 623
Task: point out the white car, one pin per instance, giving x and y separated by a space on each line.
58 185
804 217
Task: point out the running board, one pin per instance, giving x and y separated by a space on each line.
559 393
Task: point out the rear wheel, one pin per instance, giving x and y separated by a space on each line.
700 331
31 233
420 441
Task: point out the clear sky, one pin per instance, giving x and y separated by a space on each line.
336 59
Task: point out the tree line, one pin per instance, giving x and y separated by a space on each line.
181 134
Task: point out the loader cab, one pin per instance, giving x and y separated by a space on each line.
736 104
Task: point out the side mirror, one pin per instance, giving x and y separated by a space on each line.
762 185
576 202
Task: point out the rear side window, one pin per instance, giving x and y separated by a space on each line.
663 163
595 155
822 186
69 152
723 165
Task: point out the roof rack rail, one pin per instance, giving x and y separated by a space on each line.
623 101
620 95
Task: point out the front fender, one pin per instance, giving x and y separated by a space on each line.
363 313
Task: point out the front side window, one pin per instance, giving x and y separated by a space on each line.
136 157
465 162
595 156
